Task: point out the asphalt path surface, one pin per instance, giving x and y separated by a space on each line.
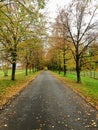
48 104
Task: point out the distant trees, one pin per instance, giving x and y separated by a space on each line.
92 59
80 22
59 46
18 22
63 43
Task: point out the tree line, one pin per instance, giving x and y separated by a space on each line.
73 43
21 35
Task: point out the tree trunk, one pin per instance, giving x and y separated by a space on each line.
64 69
26 69
13 70
33 68
59 69
78 76
78 70
59 65
64 64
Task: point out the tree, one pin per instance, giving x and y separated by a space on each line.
18 19
62 40
12 30
80 21
58 43
93 58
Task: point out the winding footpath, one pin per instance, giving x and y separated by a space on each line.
48 104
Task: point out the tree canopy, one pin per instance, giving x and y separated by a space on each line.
79 21
21 21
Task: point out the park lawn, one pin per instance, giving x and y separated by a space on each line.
9 72
9 88
88 89
1 73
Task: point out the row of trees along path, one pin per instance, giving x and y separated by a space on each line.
21 36
74 42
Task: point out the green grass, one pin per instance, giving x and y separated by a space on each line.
90 82
9 72
90 74
88 88
1 73
6 83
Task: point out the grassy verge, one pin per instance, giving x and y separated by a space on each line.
9 89
88 89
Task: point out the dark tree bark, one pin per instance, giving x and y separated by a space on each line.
64 63
59 67
78 70
27 66
14 58
26 70
13 70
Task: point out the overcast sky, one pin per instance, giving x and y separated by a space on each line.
53 5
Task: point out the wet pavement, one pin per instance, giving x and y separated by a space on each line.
48 104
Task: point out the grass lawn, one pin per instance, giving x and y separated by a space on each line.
9 72
10 88
88 89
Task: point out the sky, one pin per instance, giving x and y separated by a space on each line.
53 6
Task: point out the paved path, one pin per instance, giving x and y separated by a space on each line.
47 104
